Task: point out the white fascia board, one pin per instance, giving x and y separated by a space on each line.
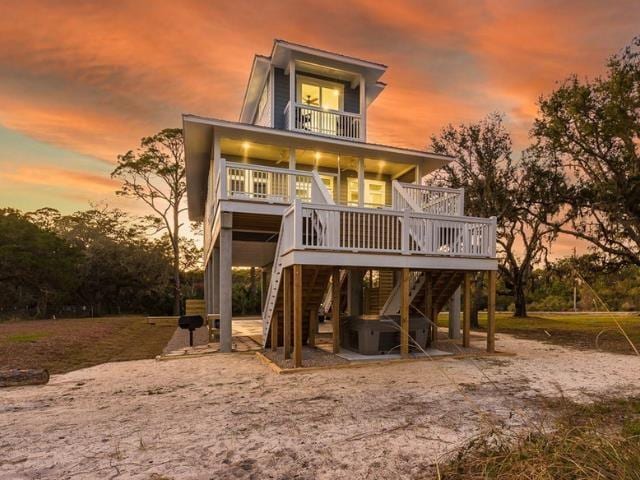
374 260
294 47
260 71
253 206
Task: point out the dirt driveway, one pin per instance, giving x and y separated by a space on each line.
227 416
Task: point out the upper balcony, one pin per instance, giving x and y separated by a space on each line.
311 91
332 123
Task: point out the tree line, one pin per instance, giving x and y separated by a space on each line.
95 262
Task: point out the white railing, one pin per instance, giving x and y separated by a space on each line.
285 240
307 118
433 200
338 228
238 181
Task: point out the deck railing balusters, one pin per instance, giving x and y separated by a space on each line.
384 231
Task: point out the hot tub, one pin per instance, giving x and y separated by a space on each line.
380 334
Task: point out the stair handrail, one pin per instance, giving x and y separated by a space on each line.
400 193
452 196
414 278
274 280
320 194
328 294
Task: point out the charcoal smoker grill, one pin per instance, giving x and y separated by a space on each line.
190 322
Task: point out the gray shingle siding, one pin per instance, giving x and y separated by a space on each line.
281 95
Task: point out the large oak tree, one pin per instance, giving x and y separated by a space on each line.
496 186
590 131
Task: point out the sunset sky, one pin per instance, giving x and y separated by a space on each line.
81 82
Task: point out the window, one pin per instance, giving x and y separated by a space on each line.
320 93
374 192
328 182
352 191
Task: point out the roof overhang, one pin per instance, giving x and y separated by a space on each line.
198 140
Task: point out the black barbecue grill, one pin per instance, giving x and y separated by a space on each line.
190 322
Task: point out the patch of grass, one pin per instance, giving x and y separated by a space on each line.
69 344
584 331
589 441
26 337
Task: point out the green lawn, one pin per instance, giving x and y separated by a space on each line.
574 330
69 344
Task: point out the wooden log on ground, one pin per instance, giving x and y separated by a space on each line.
19 377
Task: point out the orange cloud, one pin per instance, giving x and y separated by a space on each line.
94 77
59 177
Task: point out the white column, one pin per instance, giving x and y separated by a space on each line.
292 93
207 285
363 109
361 182
292 178
225 282
215 280
454 314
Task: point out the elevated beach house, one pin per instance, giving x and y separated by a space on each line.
339 226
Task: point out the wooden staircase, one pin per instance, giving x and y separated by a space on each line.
314 284
445 283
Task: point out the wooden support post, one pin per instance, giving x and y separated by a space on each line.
454 314
313 327
335 309
428 304
288 308
297 316
404 313
274 332
466 326
491 313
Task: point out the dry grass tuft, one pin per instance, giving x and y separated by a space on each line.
596 441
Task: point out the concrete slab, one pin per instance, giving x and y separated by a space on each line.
355 356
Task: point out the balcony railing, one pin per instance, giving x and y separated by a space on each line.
433 200
307 118
350 229
240 181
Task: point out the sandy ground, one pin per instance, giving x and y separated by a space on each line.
228 416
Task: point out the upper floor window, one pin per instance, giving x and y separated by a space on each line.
320 93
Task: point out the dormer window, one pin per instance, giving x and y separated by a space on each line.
318 93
